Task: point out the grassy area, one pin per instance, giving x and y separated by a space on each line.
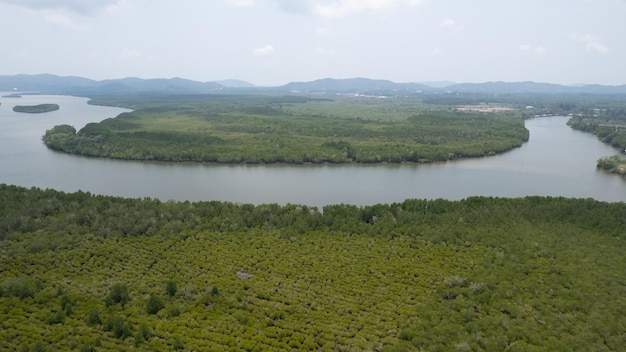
81 272
291 129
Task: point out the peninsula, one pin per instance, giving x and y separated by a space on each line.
292 129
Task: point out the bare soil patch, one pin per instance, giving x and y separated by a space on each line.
483 108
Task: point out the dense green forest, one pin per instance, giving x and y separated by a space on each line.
98 273
36 109
289 129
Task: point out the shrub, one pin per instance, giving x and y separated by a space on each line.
174 311
154 304
144 330
139 339
118 294
56 317
87 347
170 288
177 344
476 287
242 319
22 287
93 317
118 326
143 334
455 281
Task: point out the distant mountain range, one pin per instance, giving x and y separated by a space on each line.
235 83
48 83
370 86
355 85
533 88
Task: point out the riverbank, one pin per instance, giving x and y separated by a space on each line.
615 164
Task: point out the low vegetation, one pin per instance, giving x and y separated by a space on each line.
36 109
291 129
84 272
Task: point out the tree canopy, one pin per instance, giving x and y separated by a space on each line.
36 109
92 272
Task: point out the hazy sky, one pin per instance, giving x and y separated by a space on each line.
273 42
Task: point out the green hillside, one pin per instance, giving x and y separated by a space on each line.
95 273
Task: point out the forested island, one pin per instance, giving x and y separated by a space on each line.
290 129
85 272
36 109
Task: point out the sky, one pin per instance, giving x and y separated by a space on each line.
274 42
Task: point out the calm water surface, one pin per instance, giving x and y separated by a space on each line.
557 161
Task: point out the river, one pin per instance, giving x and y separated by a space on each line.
556 161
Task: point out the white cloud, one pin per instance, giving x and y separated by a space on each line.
537 50
117 7
591 43
81 6
323 52
129 54
447 23
240 3
291 6
264 50
597 46
340 8
323 32
343 8
58 18
450 24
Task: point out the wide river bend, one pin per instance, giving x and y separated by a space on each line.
557 161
